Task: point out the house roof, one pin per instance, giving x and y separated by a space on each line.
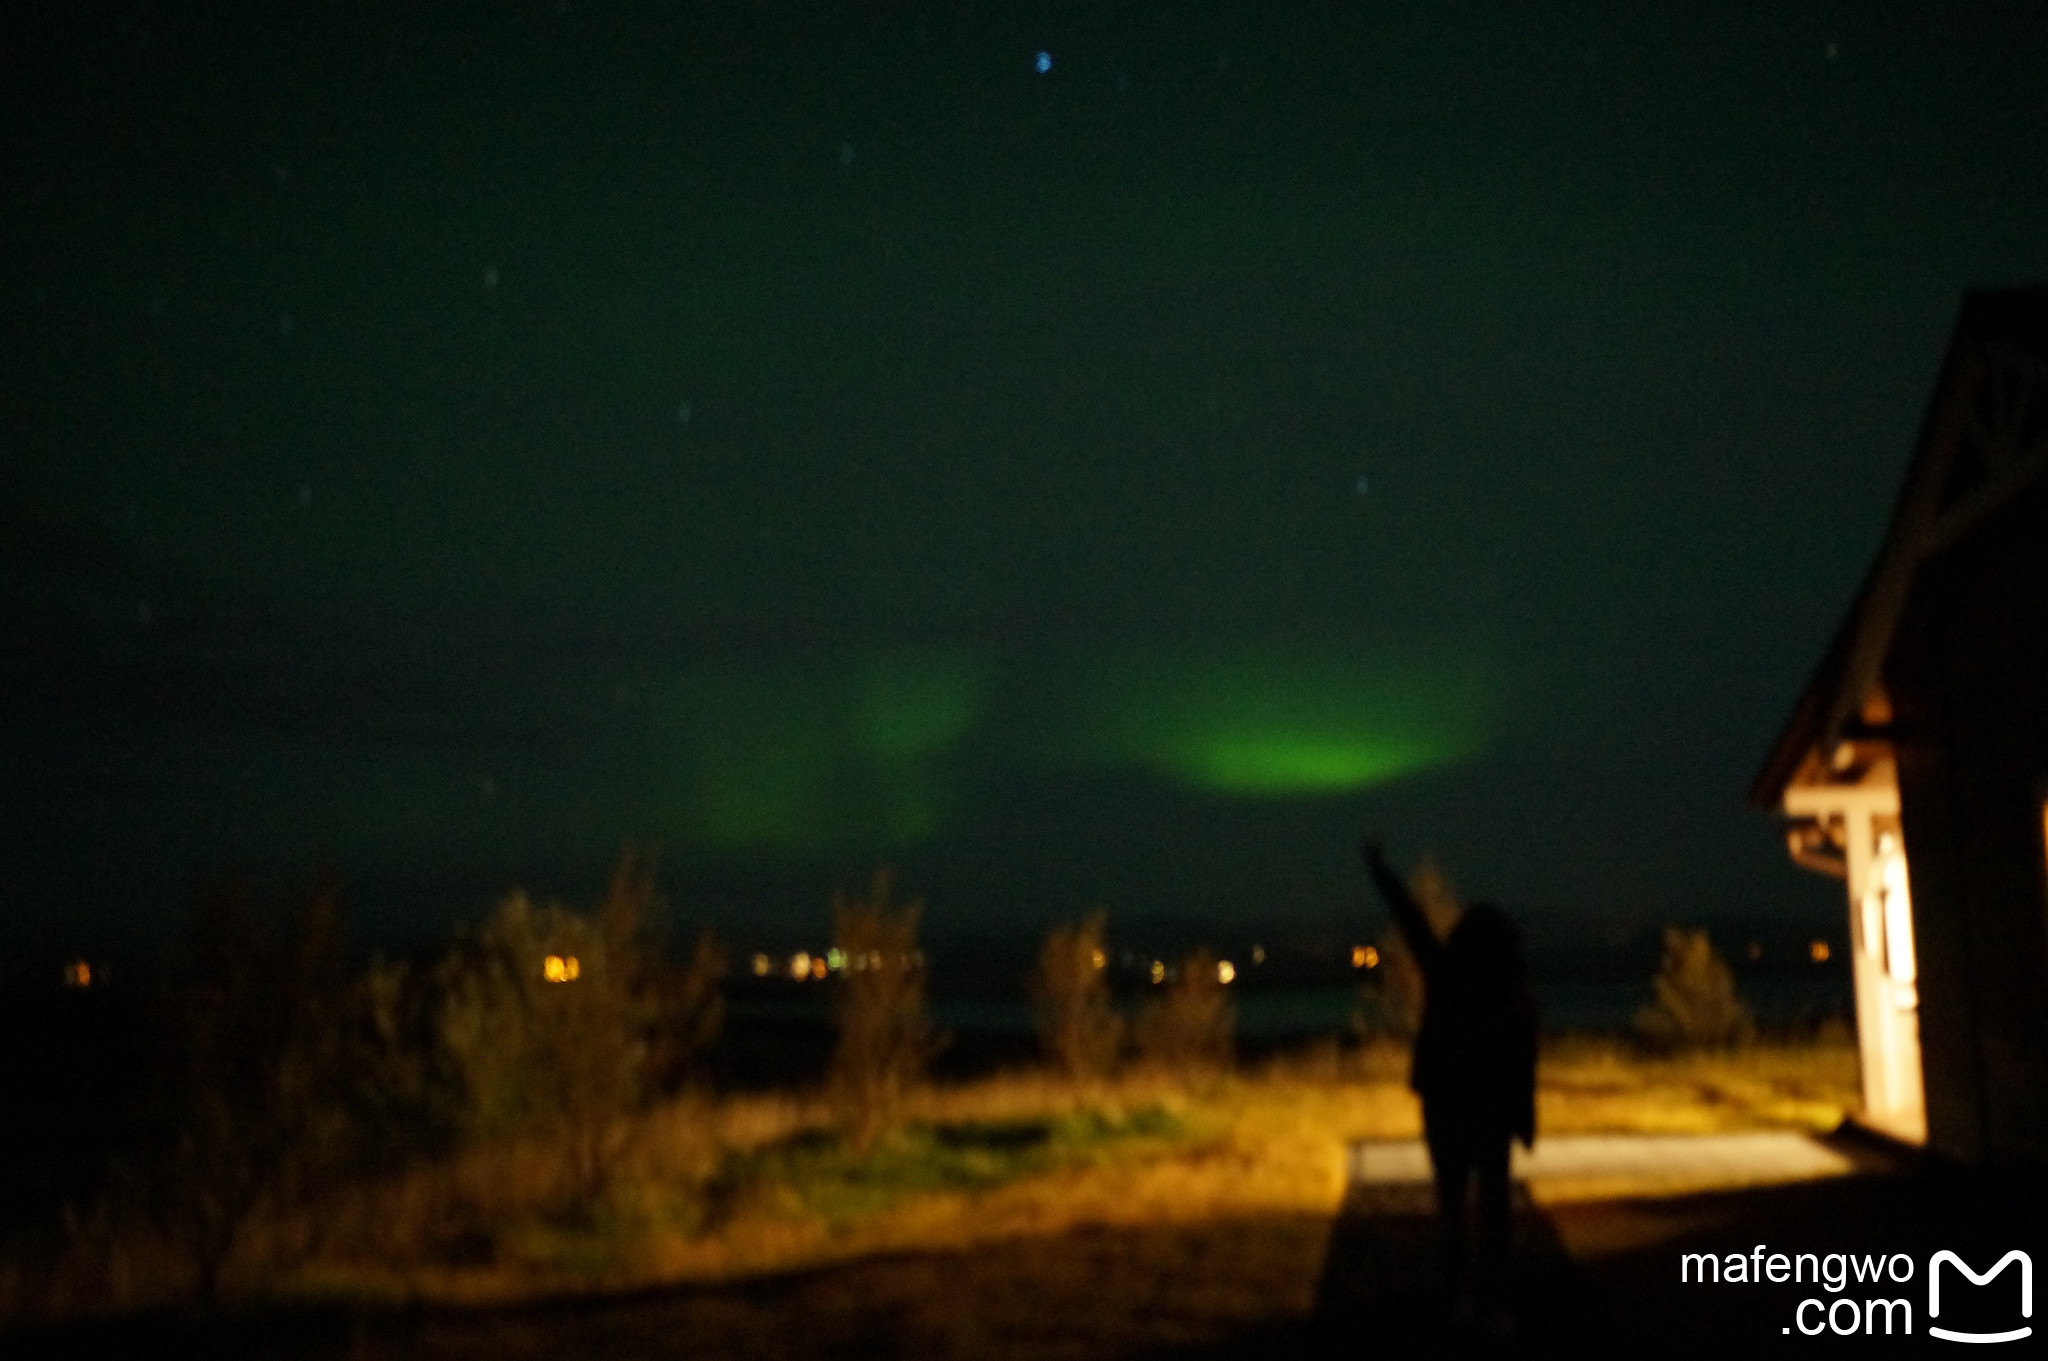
1984 439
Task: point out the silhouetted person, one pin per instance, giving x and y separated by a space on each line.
1475 1070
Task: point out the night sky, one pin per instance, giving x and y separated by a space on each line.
1074 454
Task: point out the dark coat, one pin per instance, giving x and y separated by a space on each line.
1475 1057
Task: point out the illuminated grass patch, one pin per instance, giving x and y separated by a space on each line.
829 1179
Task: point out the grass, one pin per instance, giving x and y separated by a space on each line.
1595 1085
751 1186
829 1179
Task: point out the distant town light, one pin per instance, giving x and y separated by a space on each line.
762 964
1258 954
1225 971
560 968
818 966
1818 952
1158 971
835 959
1372 957
800 964
78 974
1099 960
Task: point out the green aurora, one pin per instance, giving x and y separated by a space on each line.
1252 725
810 758
879 751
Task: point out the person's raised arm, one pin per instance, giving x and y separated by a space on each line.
1408 913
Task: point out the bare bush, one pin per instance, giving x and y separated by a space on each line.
560 1025
251 1107
544 1049
1078 1025
1696 1004
1188 1030
885 1038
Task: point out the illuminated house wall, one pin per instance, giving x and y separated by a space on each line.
1915 764
1846 822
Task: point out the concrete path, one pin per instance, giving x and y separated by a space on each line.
1607 1166
1598 1275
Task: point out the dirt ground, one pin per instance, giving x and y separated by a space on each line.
1594 1278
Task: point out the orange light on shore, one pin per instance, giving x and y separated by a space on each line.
800 964
560 968
1818 952
1225 971
78 974
1364 957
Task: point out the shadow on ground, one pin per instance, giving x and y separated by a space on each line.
1593 1279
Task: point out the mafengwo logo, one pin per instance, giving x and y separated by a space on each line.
1945 1257
1880 1308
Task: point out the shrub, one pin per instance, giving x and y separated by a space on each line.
543 1027
690 1008
561 1025
885 1039
1188 1029
1078 1025
1696 1004
684 1004
251 1107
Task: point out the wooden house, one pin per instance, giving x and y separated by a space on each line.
1915 763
